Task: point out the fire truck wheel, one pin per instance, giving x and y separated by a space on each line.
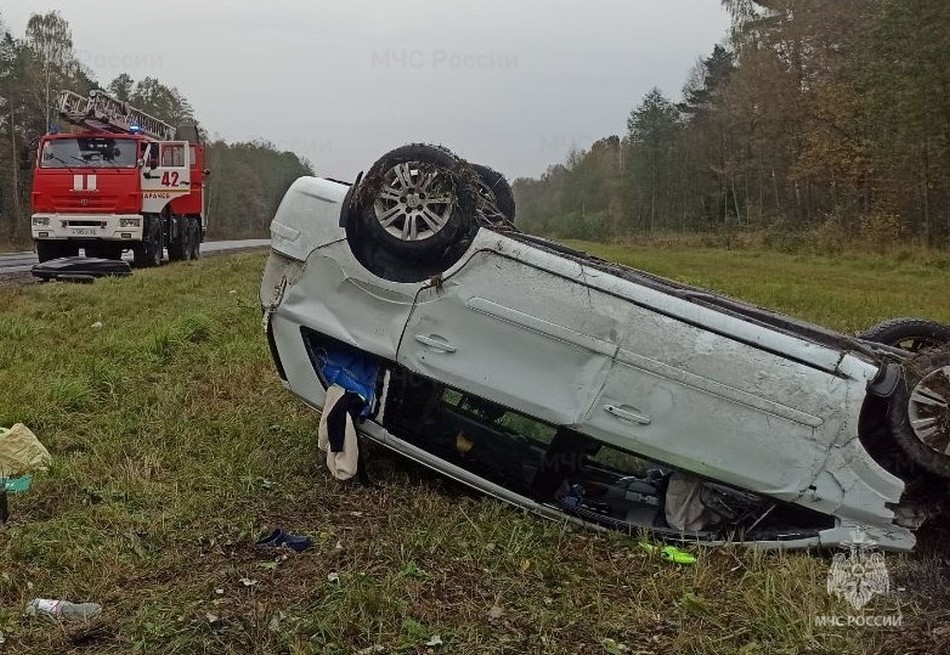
47 250
105 252
149 251
195 238
178 248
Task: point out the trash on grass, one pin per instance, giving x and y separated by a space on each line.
669 553
21 452
277 538
63 609
16 485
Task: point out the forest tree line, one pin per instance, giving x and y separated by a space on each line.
247 181
828 116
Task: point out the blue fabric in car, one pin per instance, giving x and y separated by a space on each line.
351 370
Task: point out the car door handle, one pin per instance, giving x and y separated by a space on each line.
626 413
436 342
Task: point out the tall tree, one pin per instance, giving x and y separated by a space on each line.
652 133
50 42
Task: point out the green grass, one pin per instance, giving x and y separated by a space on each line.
847 292
175 447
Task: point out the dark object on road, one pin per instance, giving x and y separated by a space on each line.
80 269
278 538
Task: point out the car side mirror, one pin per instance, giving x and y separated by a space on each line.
206 172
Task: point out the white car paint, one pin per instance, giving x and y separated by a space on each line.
569 344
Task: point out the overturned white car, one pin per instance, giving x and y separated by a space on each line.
578 388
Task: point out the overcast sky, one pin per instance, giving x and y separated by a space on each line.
511 84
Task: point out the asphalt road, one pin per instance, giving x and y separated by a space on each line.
22 262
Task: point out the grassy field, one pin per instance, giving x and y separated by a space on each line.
175 447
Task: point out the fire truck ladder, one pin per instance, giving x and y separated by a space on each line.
103 112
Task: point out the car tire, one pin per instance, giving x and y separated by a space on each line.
919 411
415 203
911 334
495 189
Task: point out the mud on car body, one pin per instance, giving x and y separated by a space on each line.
578 388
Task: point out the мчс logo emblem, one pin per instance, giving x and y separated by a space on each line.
860 574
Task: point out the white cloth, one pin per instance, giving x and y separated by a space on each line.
684 508
342 464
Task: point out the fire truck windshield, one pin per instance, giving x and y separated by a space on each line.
88 152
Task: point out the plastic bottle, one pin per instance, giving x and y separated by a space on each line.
63 609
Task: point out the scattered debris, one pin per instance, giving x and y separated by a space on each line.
97 325
278 538
669 553
82 270
63 609
435 640
333 577
614 647
21 452
16 485
370 650
248 582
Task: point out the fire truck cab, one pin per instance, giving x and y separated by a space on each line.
118 180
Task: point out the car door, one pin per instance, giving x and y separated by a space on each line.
716 405
530 339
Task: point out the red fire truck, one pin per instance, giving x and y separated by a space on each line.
116 180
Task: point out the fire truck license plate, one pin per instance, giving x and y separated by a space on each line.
83 232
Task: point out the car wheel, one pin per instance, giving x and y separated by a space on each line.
416 203
919 413
494 193
912 334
